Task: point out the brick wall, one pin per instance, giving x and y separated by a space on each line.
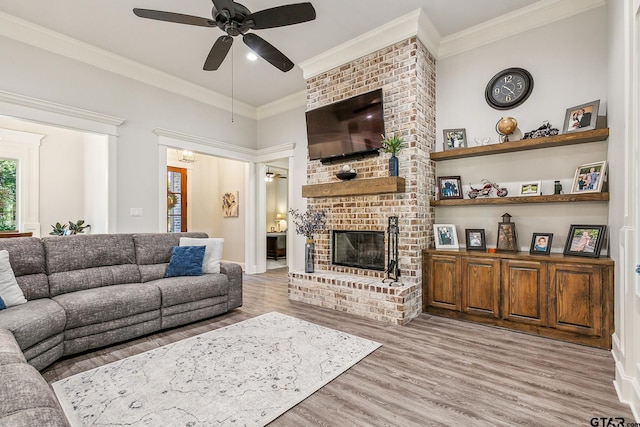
406 73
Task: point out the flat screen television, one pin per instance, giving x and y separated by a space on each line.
347 128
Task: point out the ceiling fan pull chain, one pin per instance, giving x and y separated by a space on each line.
232 73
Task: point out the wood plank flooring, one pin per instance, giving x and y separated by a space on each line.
432 372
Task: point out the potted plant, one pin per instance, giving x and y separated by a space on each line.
307 224
73 228
392 144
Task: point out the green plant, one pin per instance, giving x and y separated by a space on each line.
71 228
391 144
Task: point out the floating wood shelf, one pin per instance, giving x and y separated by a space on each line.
552 198
523 145
356 187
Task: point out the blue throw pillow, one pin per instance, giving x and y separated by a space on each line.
186 261
2 304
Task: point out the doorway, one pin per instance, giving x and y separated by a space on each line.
277 203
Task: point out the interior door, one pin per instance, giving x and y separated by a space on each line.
176 199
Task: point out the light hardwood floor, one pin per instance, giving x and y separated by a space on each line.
432 372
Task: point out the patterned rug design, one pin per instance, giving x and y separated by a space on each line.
245 374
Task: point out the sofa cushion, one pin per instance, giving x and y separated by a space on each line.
179 290
10 292
108 303
9 349
26 255
185 261
153 251
80 280
212 253
34 321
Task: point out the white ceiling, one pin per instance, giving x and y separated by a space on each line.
180 50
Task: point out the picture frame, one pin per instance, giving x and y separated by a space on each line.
230 204
531 188
475 239
541 244
589 178
454 138
585 240
581 117
446 236
450 187
507 240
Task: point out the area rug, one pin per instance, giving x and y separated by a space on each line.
246 374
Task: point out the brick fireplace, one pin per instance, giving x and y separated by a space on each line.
406 73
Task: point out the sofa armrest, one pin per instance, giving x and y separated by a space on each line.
234 274
9 349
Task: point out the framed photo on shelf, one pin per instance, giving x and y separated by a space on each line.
589 178
475 239
454 138
446 236
585 240
449 187
531 188
581 117
541 243
507 240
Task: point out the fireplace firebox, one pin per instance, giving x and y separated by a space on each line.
360 249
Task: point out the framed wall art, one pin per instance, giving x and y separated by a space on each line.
454 138
446 236
449 187
541 243
581 117
475 239
585 240
589 178
230 204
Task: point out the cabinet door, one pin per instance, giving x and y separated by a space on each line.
481 286
444 282
576 298
525 292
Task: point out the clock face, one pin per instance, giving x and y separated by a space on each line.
509 88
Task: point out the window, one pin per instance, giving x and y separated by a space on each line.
8 199
176 199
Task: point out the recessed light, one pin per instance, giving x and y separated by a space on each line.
252 56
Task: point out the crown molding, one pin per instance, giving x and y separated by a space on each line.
43 38
527 18
295 100
383 36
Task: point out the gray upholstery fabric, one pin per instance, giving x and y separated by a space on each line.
9 349
152 271
26 256
108 303
89 278
68 253
105 326
192 312
155 248
27 399
178 290
113 336
45 353
34 321
234 274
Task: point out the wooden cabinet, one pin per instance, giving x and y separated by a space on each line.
563 297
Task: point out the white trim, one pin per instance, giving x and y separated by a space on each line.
43 38
47 112
295 100
533 16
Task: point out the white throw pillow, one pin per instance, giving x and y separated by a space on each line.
212 252
10 292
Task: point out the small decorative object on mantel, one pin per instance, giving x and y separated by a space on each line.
392 144
307 224
581 117
346 173
590 178
505 127
454 138
545 130
486 190
507 240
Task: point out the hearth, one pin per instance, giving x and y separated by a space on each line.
360 249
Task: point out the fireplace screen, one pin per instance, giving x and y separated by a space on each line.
362 249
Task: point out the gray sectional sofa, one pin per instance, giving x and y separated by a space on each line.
90 291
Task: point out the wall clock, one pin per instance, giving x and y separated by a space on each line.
509 88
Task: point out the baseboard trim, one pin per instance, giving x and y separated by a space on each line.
627 388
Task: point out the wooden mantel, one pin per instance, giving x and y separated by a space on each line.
357 187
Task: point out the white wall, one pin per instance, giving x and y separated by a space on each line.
563 77
43 75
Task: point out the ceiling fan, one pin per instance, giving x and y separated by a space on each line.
235 19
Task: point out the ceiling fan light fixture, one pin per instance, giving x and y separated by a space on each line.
252 56
269 176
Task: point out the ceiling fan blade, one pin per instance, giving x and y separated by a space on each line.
179 18
272 55
282 15
218 53
222 5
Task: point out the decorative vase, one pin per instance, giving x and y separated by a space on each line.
393 165
309 257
